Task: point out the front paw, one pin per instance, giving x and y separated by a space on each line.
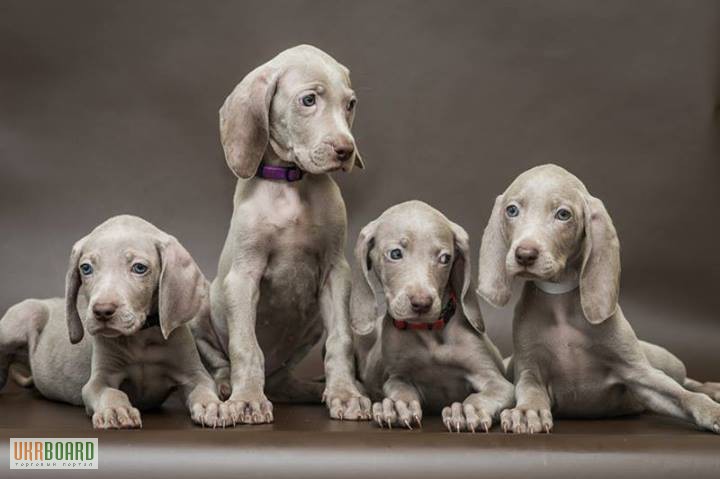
526 420
347 403
389 413
123 417
461 417
250 410
211 413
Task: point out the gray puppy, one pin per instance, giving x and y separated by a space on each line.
575 354
133 288
282 277
420 337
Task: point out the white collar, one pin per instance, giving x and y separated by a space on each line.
557 288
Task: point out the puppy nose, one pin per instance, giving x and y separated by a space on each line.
344 152
104 311
421 304
526 255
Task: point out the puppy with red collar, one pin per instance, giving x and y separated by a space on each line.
419 336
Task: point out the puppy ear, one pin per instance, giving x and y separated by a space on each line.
600 273
244 120
358 160
493 281
183 289
367 300
72 287
461 278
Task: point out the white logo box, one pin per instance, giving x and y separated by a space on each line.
54 453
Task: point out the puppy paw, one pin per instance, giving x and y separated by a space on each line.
250 410
211 414
712 390
117 418
526 420
389 413
347 403
465 417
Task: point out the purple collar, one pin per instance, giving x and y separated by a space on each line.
285 173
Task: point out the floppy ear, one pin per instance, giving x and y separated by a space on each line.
493 282
358 159
367 300
600 273
461 278
72 287
244 120
183 289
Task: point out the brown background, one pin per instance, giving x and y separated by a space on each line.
111 107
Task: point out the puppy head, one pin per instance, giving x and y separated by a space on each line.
301 105
547 226
126 270
410 257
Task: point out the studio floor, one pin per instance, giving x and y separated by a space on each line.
303 442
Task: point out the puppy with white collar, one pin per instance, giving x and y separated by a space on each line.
574 353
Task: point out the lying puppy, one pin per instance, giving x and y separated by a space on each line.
575 354
134 288
282 277
420 338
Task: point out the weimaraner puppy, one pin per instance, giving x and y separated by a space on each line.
282 276
420 337
575 354
133 288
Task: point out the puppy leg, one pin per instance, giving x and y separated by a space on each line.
401 406
532 411
217 364
663 395
341 395
479 409
709 388
247 402
19 329
109 407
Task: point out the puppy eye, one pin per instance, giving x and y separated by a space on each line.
86 269
563 214
139 268
308 100
445 258
395 254
351 104
512 211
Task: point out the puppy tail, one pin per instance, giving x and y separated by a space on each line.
21 375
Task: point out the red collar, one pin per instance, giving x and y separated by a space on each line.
447 312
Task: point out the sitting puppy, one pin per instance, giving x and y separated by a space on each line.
134 288
282 277
420 338
575 354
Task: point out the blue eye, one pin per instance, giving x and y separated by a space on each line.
139 268
563 214
86 269
512 211
396 254
308 100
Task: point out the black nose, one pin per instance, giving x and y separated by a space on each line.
526 256
104 311
344 152
421 304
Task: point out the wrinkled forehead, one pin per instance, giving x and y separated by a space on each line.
311 72
416 231
119 246
545 189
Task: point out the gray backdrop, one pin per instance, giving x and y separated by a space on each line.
111 107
